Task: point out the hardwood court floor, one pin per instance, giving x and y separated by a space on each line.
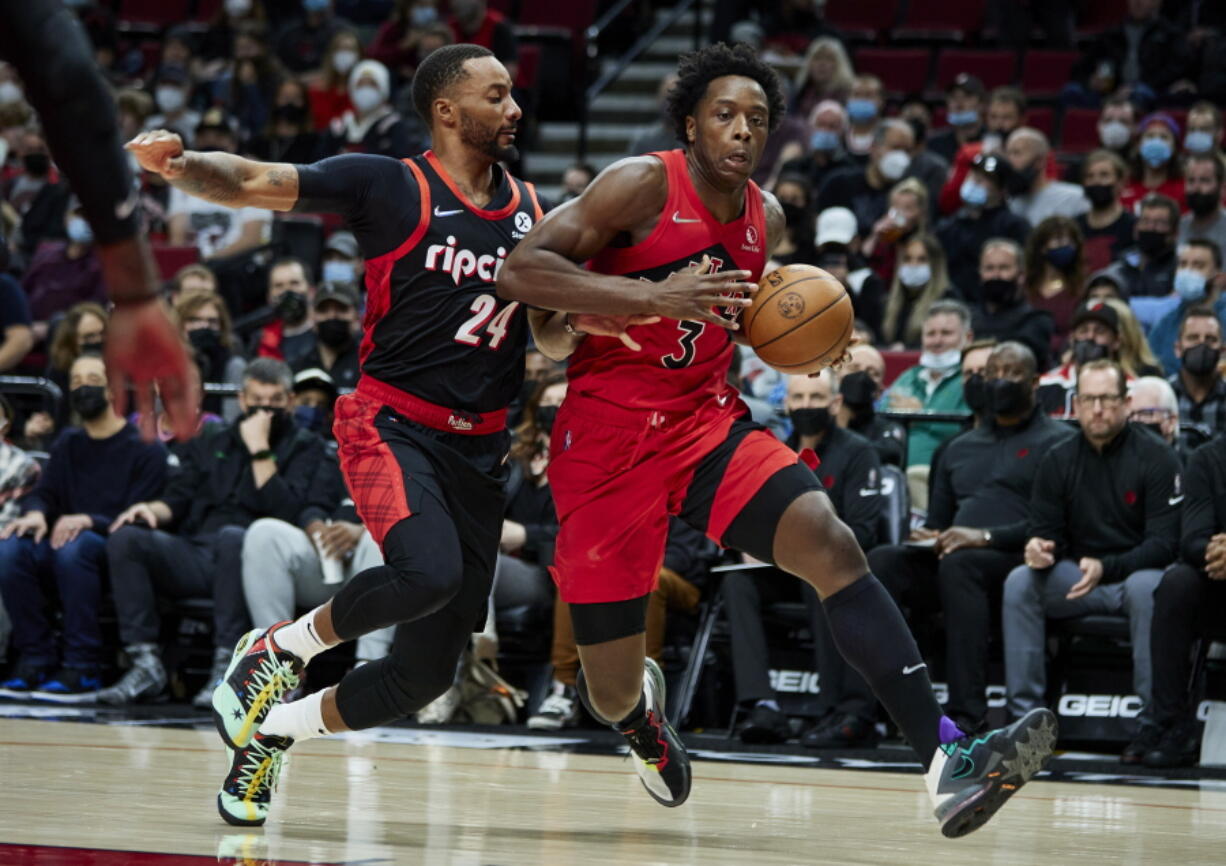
361 800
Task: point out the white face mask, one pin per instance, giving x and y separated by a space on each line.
941 361
343 59
237 8
9 92
914 276
1114 134
894 164
170 99
365 98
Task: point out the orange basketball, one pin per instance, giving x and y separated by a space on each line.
800 320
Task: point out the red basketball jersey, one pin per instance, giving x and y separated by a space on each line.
682 364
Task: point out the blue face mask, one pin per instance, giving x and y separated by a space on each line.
861 110
1190 284
423 16
1198 142
338 272
315 5
824 141
963 118
1156 152
973 193
310 418
79 231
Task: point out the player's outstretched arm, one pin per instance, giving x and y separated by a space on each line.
222 178
625 199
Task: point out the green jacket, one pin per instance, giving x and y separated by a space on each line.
923 438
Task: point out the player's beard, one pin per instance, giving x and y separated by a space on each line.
484 139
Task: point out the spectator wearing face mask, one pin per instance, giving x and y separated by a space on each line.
18 470
63 273
1104 522
825 153
1055 276
472 21
94 473
984 215
1117 125
291 336
920 279
907 218
1198 384
303 41
934 384
1204 187
965 105
373 126
227 477
82 331
1035 196
314 398
838 252
1156 167
865 190
1003 311
865 104
336 341
37 195
1152 404
1097 333
1006 112
975 527
329 94
796 245
1147 269
204 322
290 135
850 472
397 44
342 261
861 379
824 75
172 90
1145 52
1108 228
1198 283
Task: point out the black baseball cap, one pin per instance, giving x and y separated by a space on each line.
967 83
337 293
1099 311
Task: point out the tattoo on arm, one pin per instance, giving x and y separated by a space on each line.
214 177
277 177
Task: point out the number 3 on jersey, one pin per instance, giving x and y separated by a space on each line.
684 356
483 308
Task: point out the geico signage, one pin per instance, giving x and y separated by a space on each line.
994 694
795 682
1100 706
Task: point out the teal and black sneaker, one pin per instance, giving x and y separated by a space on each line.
246 794
972 777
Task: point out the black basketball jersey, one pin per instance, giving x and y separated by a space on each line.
434 326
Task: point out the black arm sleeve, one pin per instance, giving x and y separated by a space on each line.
51 52
377 196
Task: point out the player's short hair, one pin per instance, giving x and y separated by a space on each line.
442 68
699 68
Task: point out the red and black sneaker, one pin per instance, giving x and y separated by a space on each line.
259 675
661 760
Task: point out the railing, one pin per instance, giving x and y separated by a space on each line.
32 385
909 418
602 83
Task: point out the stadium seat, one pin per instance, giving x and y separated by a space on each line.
862 19
896 362
1099 15
993 68
942 20
529 66
1044 73
1042 119
901 70
206 10
1079 131
170 258
159 13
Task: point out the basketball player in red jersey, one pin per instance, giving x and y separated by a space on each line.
649 433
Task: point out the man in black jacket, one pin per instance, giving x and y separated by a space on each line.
851 473
1191 597
1145 52
1002 311
336 341
976 522
861 380
228 476
1104 522
984 215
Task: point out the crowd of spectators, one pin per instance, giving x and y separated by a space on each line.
998 281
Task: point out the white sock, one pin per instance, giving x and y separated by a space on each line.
302 719
301 638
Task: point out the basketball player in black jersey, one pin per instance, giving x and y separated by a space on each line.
423 438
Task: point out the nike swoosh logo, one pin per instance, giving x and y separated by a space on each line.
910 669
870 491
446 213
677 218
1174 500
721 399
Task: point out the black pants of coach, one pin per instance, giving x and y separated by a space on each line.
148 563
1186 604
968 585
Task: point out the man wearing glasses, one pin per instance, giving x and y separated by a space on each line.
1104 522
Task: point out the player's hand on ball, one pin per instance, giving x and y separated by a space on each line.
845 358
612 326
158 151
691 294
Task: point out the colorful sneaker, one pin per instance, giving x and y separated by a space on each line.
246 794
971 778
559 710
25 679
663 764
259 675
72 685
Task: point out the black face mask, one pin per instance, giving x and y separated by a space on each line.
858 390
281 420
1100 194
334 333
1153 244
794 214
975 393
1204 203
998 292
1085 351
292 113
88 401
92 347
810 422
36 164
1202 359
1008 397
545 416
291 307
1020 182
205 340
1154 427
